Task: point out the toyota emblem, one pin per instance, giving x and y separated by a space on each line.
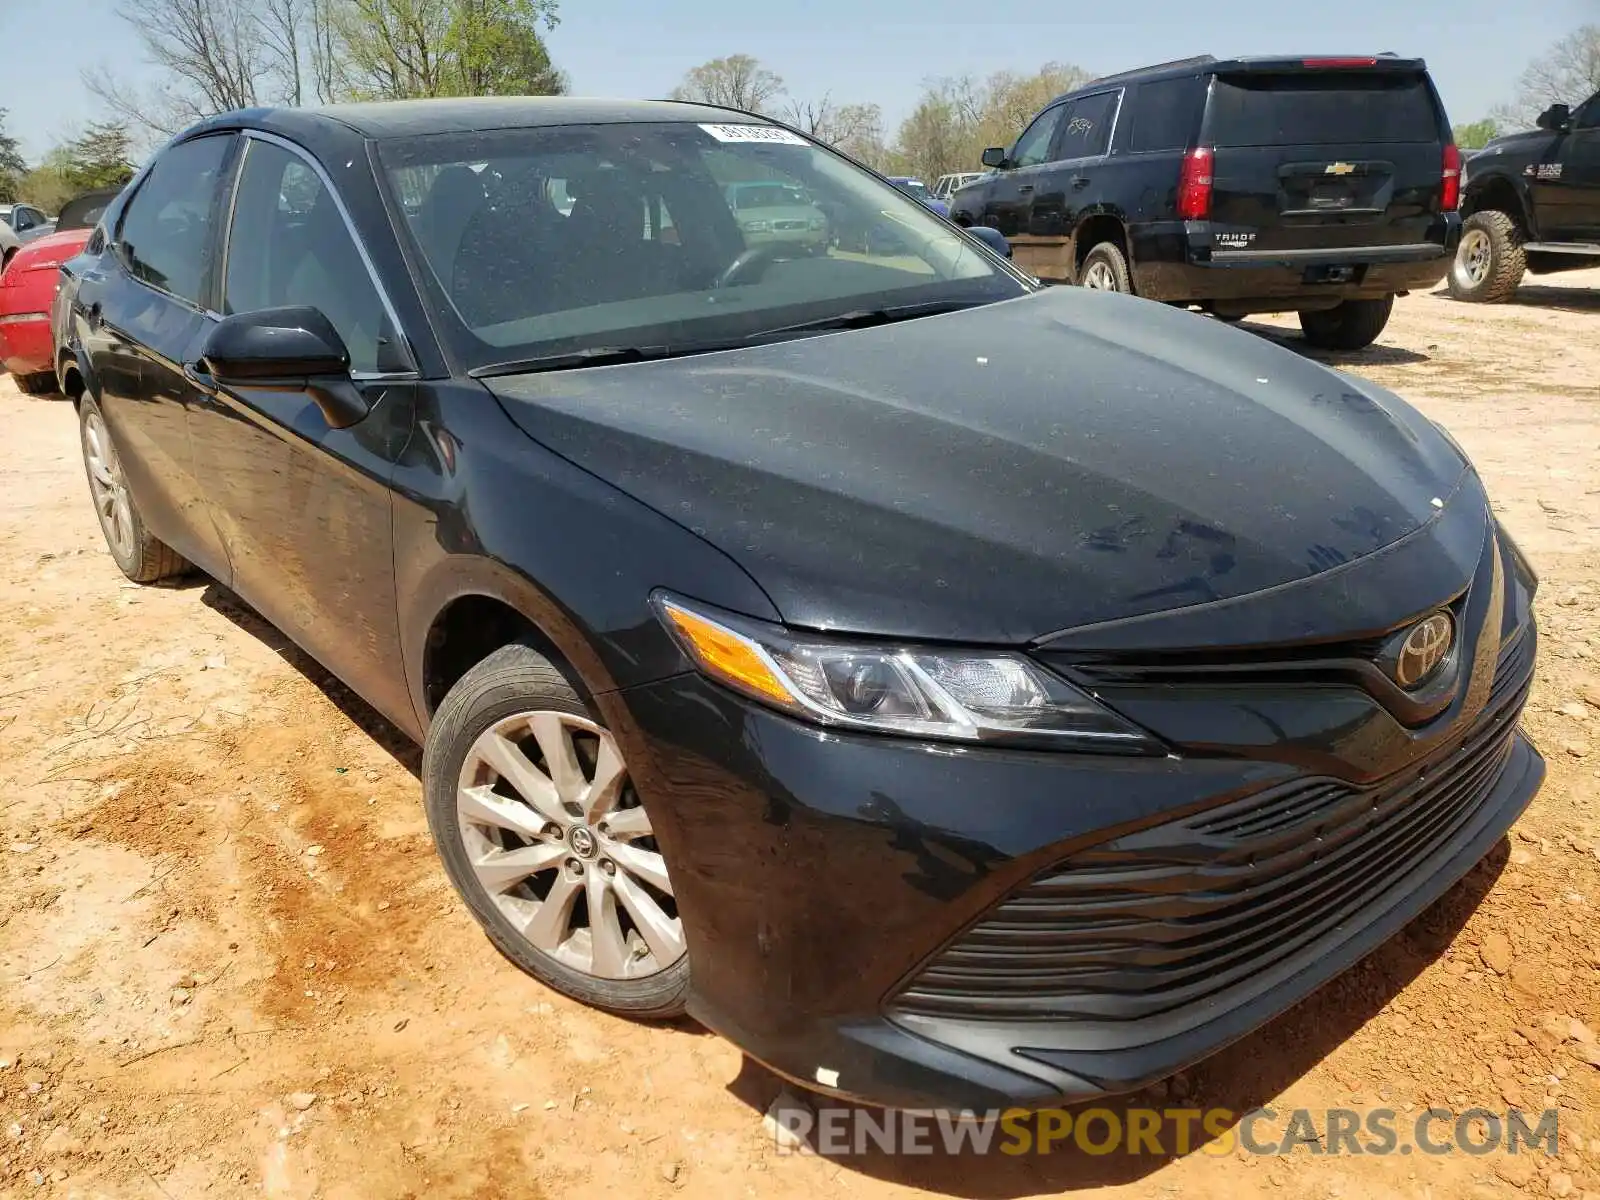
1425 647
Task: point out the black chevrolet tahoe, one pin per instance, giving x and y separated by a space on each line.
1326 186
1531 202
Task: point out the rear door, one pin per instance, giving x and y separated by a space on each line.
1313 157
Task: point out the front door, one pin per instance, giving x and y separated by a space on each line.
1010 194
1583 164
305 508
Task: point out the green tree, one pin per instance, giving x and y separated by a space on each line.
12 165
100 158
1477 135
400 49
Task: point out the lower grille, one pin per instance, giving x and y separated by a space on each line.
1173 913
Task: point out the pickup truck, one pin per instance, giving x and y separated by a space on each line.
1530 202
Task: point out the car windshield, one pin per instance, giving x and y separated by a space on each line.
670 236
914 187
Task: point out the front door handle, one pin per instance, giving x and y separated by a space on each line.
1079 182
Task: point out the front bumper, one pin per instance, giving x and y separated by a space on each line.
848 898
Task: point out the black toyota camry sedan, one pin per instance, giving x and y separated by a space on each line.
957 692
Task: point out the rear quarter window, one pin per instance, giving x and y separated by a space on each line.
1166 114
1322 108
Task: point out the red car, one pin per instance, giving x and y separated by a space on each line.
28 285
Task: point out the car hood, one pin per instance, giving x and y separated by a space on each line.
1004 472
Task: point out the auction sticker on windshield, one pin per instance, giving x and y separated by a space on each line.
754 133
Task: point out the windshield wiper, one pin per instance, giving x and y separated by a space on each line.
595 356
863 318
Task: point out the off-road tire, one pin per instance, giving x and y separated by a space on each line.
512 680
1508 261
1352 325
142 557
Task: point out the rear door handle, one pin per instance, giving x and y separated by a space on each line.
1025 188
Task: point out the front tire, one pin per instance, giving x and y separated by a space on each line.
1490 260
1105 269
1352 325
142 556
545 838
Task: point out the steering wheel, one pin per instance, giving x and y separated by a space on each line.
752 263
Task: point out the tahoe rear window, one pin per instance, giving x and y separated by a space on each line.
1321 109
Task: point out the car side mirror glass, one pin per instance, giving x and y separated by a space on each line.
1557 118
286 349
995 156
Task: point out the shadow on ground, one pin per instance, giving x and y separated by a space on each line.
399 747
1242 1077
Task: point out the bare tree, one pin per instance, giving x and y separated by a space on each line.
1568 73
210 51
856 129
285 25
738 81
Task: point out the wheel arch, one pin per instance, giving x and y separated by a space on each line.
1499 193
468 607
1100 225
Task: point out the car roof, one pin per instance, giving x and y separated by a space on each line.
1210 64
379 120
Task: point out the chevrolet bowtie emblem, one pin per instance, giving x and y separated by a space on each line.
1338 169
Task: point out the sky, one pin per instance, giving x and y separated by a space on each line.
869 50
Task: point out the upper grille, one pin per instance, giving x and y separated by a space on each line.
1173 913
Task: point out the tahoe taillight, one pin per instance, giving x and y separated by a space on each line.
1194 185
1451 199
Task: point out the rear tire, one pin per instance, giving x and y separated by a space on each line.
41 383
142 557
1105 269
544 837
1352 325
1490 261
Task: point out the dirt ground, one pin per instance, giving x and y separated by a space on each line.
230 965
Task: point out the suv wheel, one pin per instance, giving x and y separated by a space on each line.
142 557
1490 260
1105 269
40 383
1352 325
546 840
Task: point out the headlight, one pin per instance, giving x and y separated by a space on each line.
958 695
754 226
817 222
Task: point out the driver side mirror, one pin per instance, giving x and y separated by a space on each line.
1557 118
995 156
284 349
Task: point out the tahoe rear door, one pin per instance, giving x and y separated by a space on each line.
1325 154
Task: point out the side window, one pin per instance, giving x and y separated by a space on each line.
1589 115
289 245
21 219
166 229
1165 114
1033 147
1087 131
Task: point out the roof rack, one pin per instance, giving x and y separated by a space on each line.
1199 60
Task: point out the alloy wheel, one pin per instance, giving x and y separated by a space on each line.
110 490
558 841
1100 277
1474 257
